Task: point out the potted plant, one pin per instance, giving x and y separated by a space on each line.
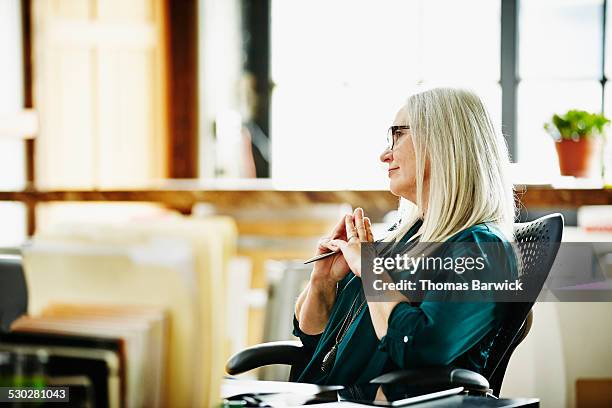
579 139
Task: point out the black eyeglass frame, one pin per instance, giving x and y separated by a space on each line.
393 134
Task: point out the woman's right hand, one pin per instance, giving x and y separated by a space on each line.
334 268
316 301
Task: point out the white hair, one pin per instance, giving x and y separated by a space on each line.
468 160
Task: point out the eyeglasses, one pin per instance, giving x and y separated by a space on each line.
393 134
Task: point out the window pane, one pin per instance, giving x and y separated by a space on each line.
331 137
609 40
337 88
461 39
12 159
11 69
339 85
537 102
13 221
343 40
560 38
489 92
12 164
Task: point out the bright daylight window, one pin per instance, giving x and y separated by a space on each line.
12 168
342 68
560 68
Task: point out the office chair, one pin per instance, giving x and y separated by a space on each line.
13 291
537 243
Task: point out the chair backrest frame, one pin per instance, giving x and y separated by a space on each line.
537 243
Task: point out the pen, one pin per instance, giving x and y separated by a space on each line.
320 256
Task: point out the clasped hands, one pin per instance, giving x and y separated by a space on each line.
347 238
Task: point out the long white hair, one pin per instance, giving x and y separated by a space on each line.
469 161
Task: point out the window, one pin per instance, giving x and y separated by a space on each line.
341 69
12 158
560 68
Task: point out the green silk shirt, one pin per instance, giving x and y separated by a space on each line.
422 334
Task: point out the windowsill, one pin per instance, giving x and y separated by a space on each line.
183 194
569 183
522 174
259 185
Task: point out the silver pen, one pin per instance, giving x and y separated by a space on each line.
320 256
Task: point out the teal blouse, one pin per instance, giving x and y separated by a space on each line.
419 334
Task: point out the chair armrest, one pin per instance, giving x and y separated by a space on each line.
433 376
276 352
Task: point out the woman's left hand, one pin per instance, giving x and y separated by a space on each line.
358 230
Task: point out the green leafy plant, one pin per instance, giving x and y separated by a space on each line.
576 124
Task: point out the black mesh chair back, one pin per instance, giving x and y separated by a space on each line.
13 291
537 243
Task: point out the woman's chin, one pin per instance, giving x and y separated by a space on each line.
403 191
393 189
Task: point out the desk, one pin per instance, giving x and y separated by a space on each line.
234 387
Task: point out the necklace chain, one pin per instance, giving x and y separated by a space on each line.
343 328
330 357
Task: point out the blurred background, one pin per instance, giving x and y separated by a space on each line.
214 141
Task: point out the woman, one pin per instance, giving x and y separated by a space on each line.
447 163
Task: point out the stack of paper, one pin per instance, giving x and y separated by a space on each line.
143 331
177 264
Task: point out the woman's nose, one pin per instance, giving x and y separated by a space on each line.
386 156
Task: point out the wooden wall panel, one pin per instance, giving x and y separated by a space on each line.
132 10
182 28
63 98
100 89
126 123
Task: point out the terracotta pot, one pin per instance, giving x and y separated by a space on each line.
578 158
